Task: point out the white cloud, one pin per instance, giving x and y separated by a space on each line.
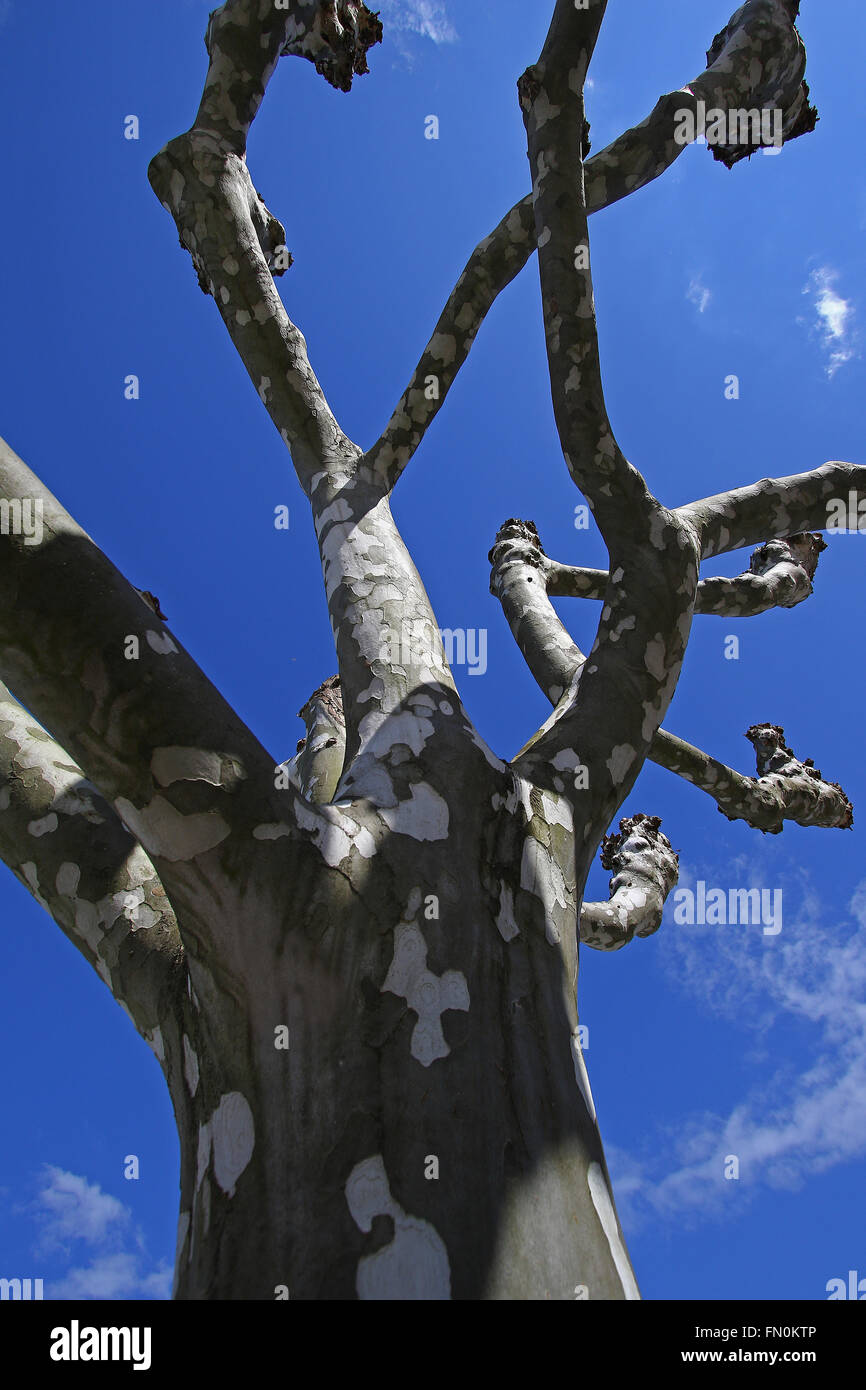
698 294
833 318
425 17
74 1209
794 1121
113 1276
70 1209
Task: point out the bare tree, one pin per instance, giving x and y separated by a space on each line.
359 966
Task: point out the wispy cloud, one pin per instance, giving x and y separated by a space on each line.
698 294
794 1121
833 318
70 1208
425 17
111 1261
114 1276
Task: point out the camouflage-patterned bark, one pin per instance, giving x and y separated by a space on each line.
358 967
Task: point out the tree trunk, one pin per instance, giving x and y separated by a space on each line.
428 1130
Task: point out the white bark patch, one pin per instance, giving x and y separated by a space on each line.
540 874
415 1265
654 657
233 1138
46 826
443 346
580 1074
601 1200
506 921
557 811
620 760
67 880
170 765
31 876
428 995
273 831
155 1041
190 1066
165 832
160 643
334 834
424 816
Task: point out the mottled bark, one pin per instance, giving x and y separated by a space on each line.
645 871
362 983
758 61
523 577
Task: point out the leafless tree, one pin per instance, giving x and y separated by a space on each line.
361 964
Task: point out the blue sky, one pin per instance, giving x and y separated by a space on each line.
704 1041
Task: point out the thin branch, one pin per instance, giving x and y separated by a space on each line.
70 850
785 788
321 753
756 62
779 576
645 870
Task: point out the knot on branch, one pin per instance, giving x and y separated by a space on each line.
337 41
636 834
762 37
327 698
804 551
517 542
528 89
642 860
787 777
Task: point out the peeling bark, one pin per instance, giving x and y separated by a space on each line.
366 958
645 872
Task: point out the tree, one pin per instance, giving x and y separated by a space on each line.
378 938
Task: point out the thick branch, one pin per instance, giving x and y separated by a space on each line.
829 498
645 870
69 849
757 62
794 791
86 653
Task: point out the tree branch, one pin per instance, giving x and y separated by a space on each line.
69 849
236 244
779 507
779 576
759 61
645 870
785 789
86 653
321 753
